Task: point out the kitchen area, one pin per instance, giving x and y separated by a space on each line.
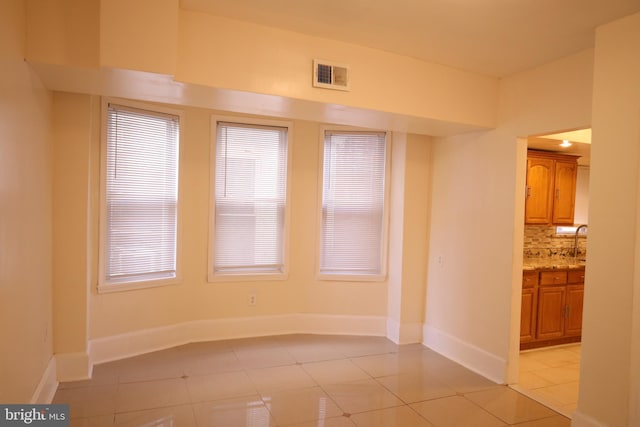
554 262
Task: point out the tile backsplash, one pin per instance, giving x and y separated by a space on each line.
541 242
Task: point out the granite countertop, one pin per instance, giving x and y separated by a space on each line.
553 264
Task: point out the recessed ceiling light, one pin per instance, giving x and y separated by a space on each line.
565 143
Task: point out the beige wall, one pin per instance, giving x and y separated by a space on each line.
25 215
80 317
129 39
475 262
475 236
610 380
408 244
417 190
73 126
72 29
266 60
582 196
196 299
124 42
471 255
398 92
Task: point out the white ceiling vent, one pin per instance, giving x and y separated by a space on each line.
330 75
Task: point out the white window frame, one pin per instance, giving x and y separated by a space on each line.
103 285
568 230
283 274
382 276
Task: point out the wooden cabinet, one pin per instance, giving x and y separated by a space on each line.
554 277
574 303
528 315
564 192
551 188
539 198
529 307
551 310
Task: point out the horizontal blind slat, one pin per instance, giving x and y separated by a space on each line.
352 228
250 197
141 194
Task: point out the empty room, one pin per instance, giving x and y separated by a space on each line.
304 213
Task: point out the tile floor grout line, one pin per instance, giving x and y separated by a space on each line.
376 350
569 359
484 409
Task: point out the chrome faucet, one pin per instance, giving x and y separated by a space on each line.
575 241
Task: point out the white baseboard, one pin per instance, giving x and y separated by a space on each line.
240 327
404 333
578 419
139 342
47 386
393 330
472 357
332 324
73 366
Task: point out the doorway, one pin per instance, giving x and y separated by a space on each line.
550 374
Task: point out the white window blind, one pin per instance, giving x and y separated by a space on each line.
141 195
250 199
353 204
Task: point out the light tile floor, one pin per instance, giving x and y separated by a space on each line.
551 376
297 380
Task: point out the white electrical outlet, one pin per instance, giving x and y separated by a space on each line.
252 300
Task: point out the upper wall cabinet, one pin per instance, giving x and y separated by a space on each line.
551 188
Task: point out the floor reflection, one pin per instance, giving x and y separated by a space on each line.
296 380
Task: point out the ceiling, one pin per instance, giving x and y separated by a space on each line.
580 144
490 37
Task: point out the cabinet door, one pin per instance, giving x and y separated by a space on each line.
551 303
573 322
528 314
564 192
539 197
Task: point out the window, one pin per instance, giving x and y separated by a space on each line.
250 199
353 225
569 230
139 223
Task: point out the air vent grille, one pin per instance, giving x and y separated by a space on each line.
330 75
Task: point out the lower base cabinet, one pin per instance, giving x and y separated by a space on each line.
573 319
528 315
551 310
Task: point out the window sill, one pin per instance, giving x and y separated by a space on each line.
246 277
106 288
351 277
